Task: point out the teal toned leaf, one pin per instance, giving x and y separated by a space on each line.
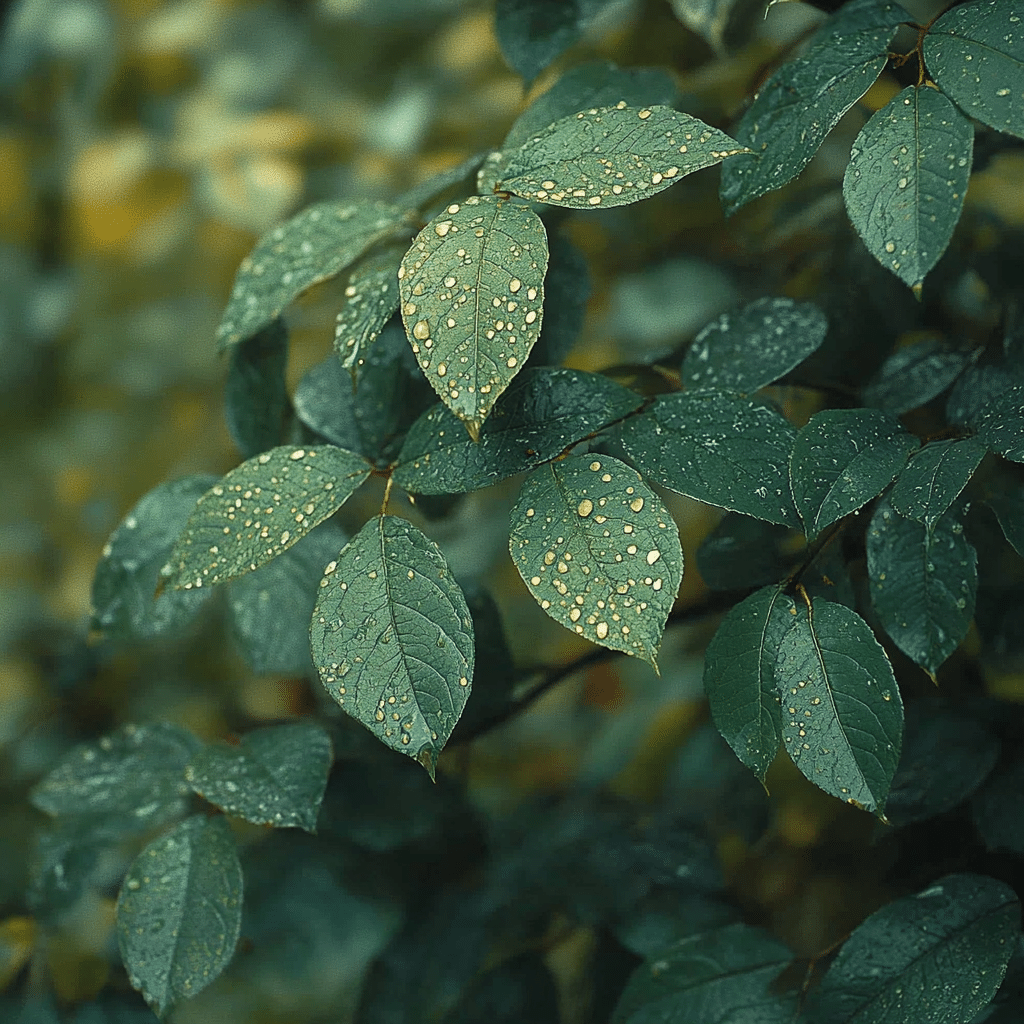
567 290
933 478
1000 424
905 184
841 460
180 911
1009 510
913 375
723 24
936 956
611 156
978 385
923 583
542 414
598 551
261 509
804 100
996 806
426 192
742 552
256 401
842 717
719 448
275 776
313 246
123 605
371 298
392 638
754 346
975 53
739 677
472 288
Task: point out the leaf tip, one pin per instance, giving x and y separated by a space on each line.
917 290
427 759
473 427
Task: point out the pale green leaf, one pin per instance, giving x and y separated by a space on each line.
1000 424
371 297
933 478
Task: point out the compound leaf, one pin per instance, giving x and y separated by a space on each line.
914 375
255 396
1000 424
933 478
371 298
533 33
1009 510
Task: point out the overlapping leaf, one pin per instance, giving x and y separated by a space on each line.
255 396
567 290
1009 509
914 375
371 297
933 478
1000 424
742 552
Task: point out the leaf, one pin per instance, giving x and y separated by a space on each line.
179 912
975 53
123 605
256 401
1009 509
260 509
315 245
745 350
913 375
1000 424
739 677
542 414
392 638
936 956
612 156
371 298
841 460
996 806
804 100
275 776
842 717
472 288
924 578
426 192
742 552
520 989
722 449
974 388
905 183
934 477
567 290
598 551
722 24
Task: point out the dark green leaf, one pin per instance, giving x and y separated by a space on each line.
371 298
180 910
997 808
722 24
1009 509
566 293
1000 424
913 375
975 387
933 478
255 397
598 551
743 552
519 990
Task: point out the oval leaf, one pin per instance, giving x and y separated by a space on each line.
371 298
532 33
1000 424
913 375
933 478
1009 509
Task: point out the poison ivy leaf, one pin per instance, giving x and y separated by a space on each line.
598 551
1000 424
905 184
975 53
180 910
371 298
611 156
392 638
743 552
719 448
260 509
123 605
1009 510
313 246
566 293
936 956
255 397
914 375
804 100
842 717
841 459
472 288
275 776
933 478
744 350
542 413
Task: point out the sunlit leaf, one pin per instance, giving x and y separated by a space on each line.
913 375
255 396
1000 424
371 297
933 478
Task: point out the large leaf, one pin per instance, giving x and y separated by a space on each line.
261 509
371 297
255 396
933 478
913 375
719 448
180 911
392 638
905 183
598 551
1000 424
472 288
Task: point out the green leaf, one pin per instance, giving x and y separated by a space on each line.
945 953
1009 509
742 552
739 677
842 717
392 638
934 477
260 509
543 413
975 53
905 184
179 912
424 193
611 156
1000 424
913 375
256 401
975 388
472 288
123 605
722 449
567 290
371 298
997 805
841 459
744 350
724 25
275 776
924 578
598 551
804 100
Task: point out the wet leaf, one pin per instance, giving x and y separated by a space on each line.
371 298
905 184
913 375
256 401
179 912
1009 509
392 638
472 288
934 477
742 552
598 551
1000 424
974 388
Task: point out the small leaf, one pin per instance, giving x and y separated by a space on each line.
371 298
256 402
392 638
1000 424
261 509
472 288
179 912
905 184
1009 509
747 349
742 552
598 551
934 477
275 776
913 375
